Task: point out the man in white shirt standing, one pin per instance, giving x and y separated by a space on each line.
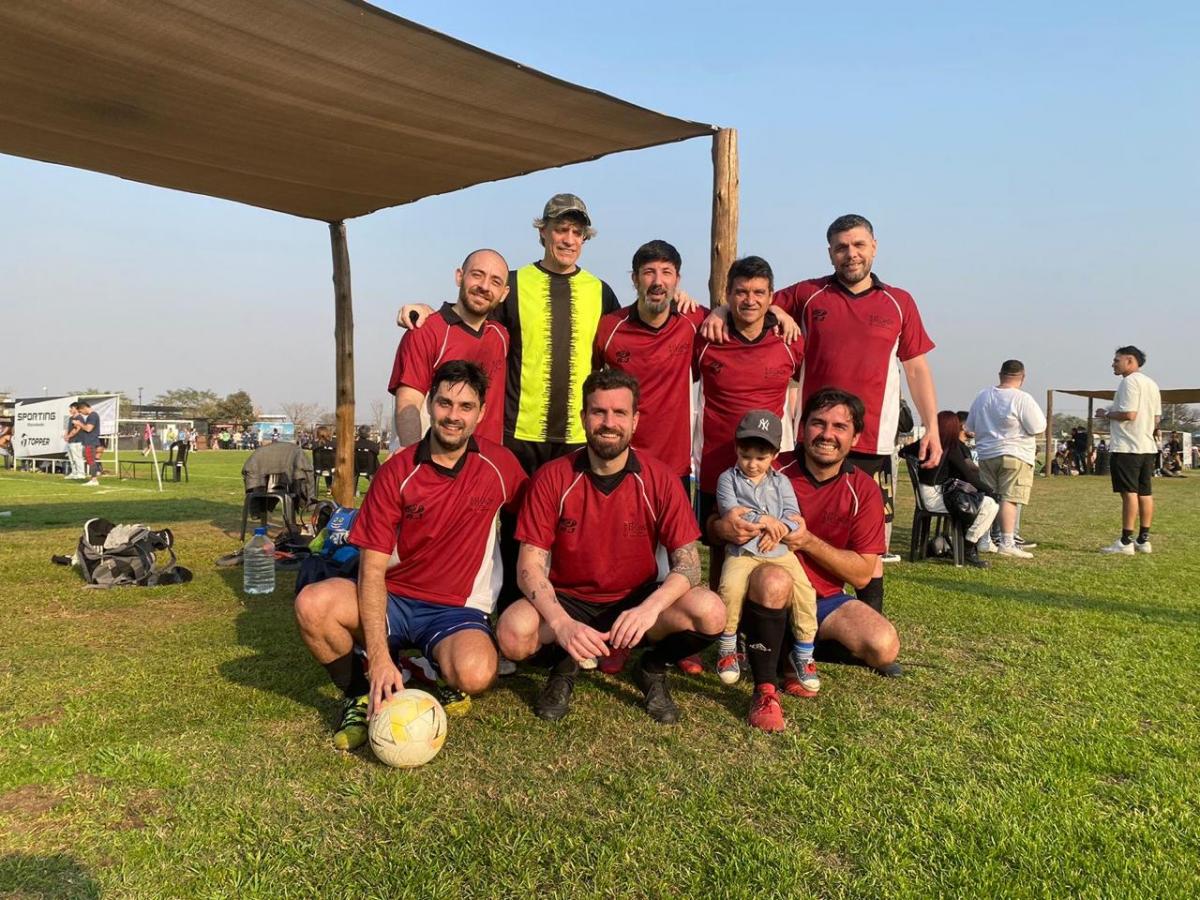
1133 419
1006 422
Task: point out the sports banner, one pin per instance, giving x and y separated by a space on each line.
38 427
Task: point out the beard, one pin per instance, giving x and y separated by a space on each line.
607 451
450 442
657 304
476 302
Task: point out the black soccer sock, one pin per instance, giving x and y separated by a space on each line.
1143 534
1126 535
557 660
348 675
872 594
766 631
675 646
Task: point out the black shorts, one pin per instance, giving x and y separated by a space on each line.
532 455
880 469
1132 473
706 505
601 616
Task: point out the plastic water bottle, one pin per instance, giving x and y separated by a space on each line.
258 564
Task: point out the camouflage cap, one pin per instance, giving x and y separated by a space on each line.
561 204
761 424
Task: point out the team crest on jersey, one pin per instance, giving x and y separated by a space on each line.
879 321
716 366
480 503
635 529
679 348
623 356
820 314
775 371
568 525
414 511
835 517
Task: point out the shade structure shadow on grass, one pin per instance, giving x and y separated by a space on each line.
280 663
154 512
55 875
1037 597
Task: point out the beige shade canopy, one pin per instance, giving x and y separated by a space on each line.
326 109
1171 395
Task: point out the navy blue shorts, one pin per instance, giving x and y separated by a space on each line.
826 605
416 623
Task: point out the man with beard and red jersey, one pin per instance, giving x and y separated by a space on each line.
457 331
839 537
749 370
858 331
589 531
427 577
652 341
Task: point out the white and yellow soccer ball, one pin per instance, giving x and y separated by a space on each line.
408 730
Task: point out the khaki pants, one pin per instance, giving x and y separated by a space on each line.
735 579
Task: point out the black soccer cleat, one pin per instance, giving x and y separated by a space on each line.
659 704
555 699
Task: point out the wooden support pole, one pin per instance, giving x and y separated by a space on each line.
724 212
343 337
1049 432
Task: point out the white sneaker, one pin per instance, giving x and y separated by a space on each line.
891 557
992 547
92 483
588 663
1014 551
1142 547
1118 546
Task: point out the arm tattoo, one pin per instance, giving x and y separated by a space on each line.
686 562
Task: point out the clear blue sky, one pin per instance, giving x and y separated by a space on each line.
1031 169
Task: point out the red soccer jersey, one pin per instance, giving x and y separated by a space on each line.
444 337
602 533
661 360
854 342
845 512
738 376
439 525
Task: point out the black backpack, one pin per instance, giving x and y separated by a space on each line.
111 555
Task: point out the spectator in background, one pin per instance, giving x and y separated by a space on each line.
366 453
324 452
1006 421
74 438
6 446
1079 449
1133 418
956 464
90 428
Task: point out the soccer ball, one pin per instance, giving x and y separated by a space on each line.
408 730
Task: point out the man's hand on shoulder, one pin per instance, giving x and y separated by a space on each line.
785 326
413 315
713 327
685 302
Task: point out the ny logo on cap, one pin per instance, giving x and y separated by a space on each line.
764 425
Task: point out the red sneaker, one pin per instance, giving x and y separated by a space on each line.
765 712
691 665
614 662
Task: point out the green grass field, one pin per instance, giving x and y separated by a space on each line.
175 741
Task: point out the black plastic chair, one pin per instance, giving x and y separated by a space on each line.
927 523
176 460
366 462
260 501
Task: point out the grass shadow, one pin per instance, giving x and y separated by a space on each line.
280 663
1143 612
57 875
154 512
